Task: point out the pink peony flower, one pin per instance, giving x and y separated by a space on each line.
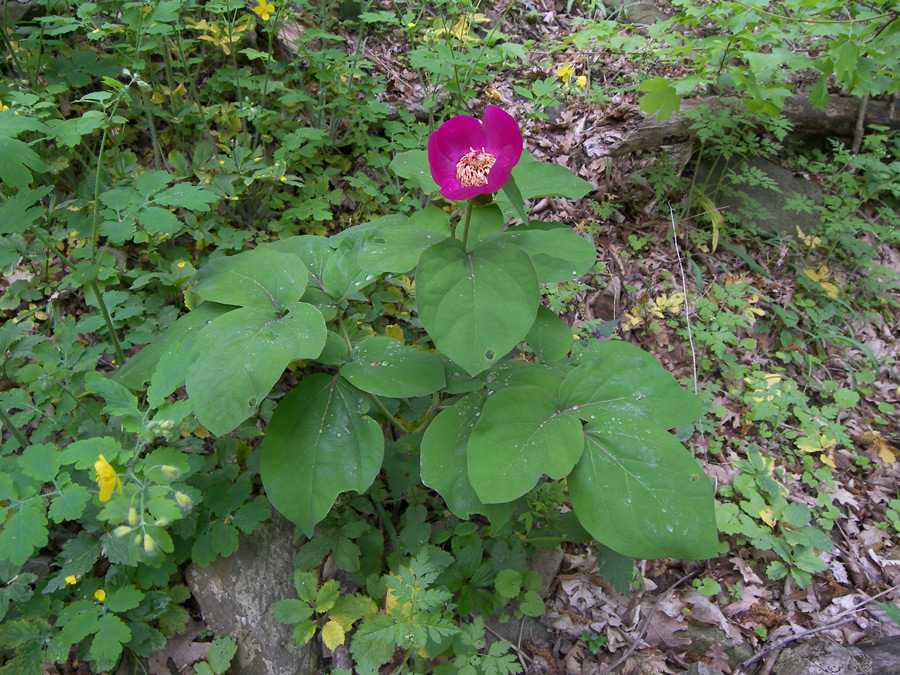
470 158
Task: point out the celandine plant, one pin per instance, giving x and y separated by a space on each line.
412 326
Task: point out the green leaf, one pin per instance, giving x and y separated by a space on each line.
537 180
24 532
291 611
520 436
413 164
304 632
349 608
77 557
549 337
443 456
18 158
241 355
156 220
846 398
84 453
123 599
637 491
327 595
260 278
111 634
318 444
514 195
559 254
484 221
41 462
221 651
15 586
118 400
476 306
659 97
386 367
193 197
508 583
532 604
623 381
176 340
69 503
151 182
397 248
19 212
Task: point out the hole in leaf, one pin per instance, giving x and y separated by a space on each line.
489 354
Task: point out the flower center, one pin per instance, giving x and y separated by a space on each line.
473 169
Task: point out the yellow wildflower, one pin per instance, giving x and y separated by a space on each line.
581 81
3 107
565 71
106 479
71 580
99 595
264 9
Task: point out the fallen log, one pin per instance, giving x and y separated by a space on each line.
637 131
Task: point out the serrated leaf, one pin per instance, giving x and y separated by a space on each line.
69 503
221 651
117 399
111 634
19 160
304 632
350 608
520 436
18 213
327 595
24 532
261 278
244 352
123 599
84 453
40 462
476 306
318 444
291 611
659 97
150 182
156 220
386 367
193 197
333 634
639 492
508 583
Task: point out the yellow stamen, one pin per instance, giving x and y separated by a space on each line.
473 169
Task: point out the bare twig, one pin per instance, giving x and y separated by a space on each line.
687 312
860 129
646 625
840 620
517 649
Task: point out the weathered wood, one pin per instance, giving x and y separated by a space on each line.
640 132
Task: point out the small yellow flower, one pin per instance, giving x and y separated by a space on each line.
3 107
106 479
264 10
71 580
565 71
411 24
99 595
581 81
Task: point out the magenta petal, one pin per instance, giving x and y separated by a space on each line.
453 139
458 193
502 134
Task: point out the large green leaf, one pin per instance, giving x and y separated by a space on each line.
631 385
476 306
241 355
413 164
521 435
19 212
397 248
559 254
162 353
536 180
318 444
386 367
484 221
549 337
259 278
637 491
443 458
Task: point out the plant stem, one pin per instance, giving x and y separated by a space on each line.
120 355
469 206
388 525
13 431
153 137
387 413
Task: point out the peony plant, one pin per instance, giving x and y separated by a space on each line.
425 333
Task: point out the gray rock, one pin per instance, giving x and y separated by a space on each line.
546 563
763 205
821 657
885 655
701 668
236 595
703 637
